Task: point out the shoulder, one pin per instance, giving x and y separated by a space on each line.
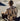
14 6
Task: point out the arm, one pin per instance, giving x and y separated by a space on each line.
6 11
16 11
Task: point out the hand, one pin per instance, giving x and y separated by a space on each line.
2 12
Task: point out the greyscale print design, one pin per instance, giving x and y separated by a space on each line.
11 13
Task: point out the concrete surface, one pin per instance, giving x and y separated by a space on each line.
1 19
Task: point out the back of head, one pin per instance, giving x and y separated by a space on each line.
10 3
